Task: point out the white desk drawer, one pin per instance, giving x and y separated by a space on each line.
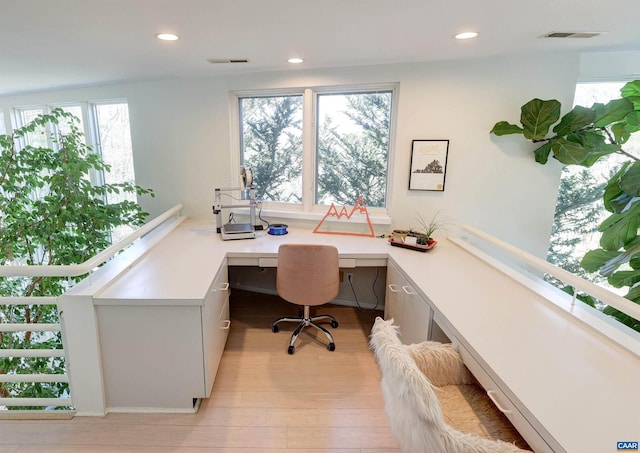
347 263
506 406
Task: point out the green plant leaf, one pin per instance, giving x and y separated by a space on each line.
619 229
612 112
622 131
568 152
630 180
633 120
624 278
537 116
542 153
614 198
622 317
575 120
593 260
630 89
635 100
505 128
595 145
580 296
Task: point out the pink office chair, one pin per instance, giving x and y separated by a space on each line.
308 275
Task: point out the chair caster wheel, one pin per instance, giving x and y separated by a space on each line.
331 347
274 329
334 324
291 350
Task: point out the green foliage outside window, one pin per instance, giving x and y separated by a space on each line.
50 214
355 162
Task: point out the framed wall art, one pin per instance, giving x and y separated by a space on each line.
428 164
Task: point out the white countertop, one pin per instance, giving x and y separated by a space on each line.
581 386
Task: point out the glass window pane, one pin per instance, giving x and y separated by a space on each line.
114 138
353 148
579 208
115 145
37 138
76 111
3 127
271 145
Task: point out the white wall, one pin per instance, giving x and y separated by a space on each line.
180 134
603 66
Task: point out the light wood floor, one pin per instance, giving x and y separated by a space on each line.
263 399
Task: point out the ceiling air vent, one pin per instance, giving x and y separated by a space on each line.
227 60
571 34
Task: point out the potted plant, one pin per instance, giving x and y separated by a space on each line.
424 234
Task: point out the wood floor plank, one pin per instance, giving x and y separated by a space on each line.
9 448
297 399
111 449
263 400
366 418
335 437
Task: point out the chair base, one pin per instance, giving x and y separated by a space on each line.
304 321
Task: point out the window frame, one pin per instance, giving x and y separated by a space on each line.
89 125
308 209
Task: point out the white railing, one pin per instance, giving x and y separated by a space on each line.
30 353
54 271
620 303
522 272
92 263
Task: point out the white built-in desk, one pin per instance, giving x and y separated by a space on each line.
563 385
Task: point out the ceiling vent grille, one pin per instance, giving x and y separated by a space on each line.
227 60
570 34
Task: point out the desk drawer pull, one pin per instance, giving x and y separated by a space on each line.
409 290
223 287
393 288
491 395
227 324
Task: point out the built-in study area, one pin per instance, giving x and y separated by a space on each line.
564 376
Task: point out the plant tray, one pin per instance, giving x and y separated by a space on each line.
420 248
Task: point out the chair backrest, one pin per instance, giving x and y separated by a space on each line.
411 404
308 274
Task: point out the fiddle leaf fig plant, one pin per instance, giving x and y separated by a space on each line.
582 137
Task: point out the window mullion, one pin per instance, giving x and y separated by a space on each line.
93 138
308 150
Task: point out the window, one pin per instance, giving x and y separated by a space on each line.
579 209
315 147
106 129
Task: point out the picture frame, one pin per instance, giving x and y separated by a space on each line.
428 167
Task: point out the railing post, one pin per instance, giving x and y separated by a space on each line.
82 345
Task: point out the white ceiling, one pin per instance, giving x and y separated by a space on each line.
48 44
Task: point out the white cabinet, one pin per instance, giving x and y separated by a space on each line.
161 354
215 326
407 308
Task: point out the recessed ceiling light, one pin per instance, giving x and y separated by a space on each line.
167 36
466 35
295 60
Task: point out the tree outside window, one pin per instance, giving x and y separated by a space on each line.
346 146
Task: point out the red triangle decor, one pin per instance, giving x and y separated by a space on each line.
333 214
